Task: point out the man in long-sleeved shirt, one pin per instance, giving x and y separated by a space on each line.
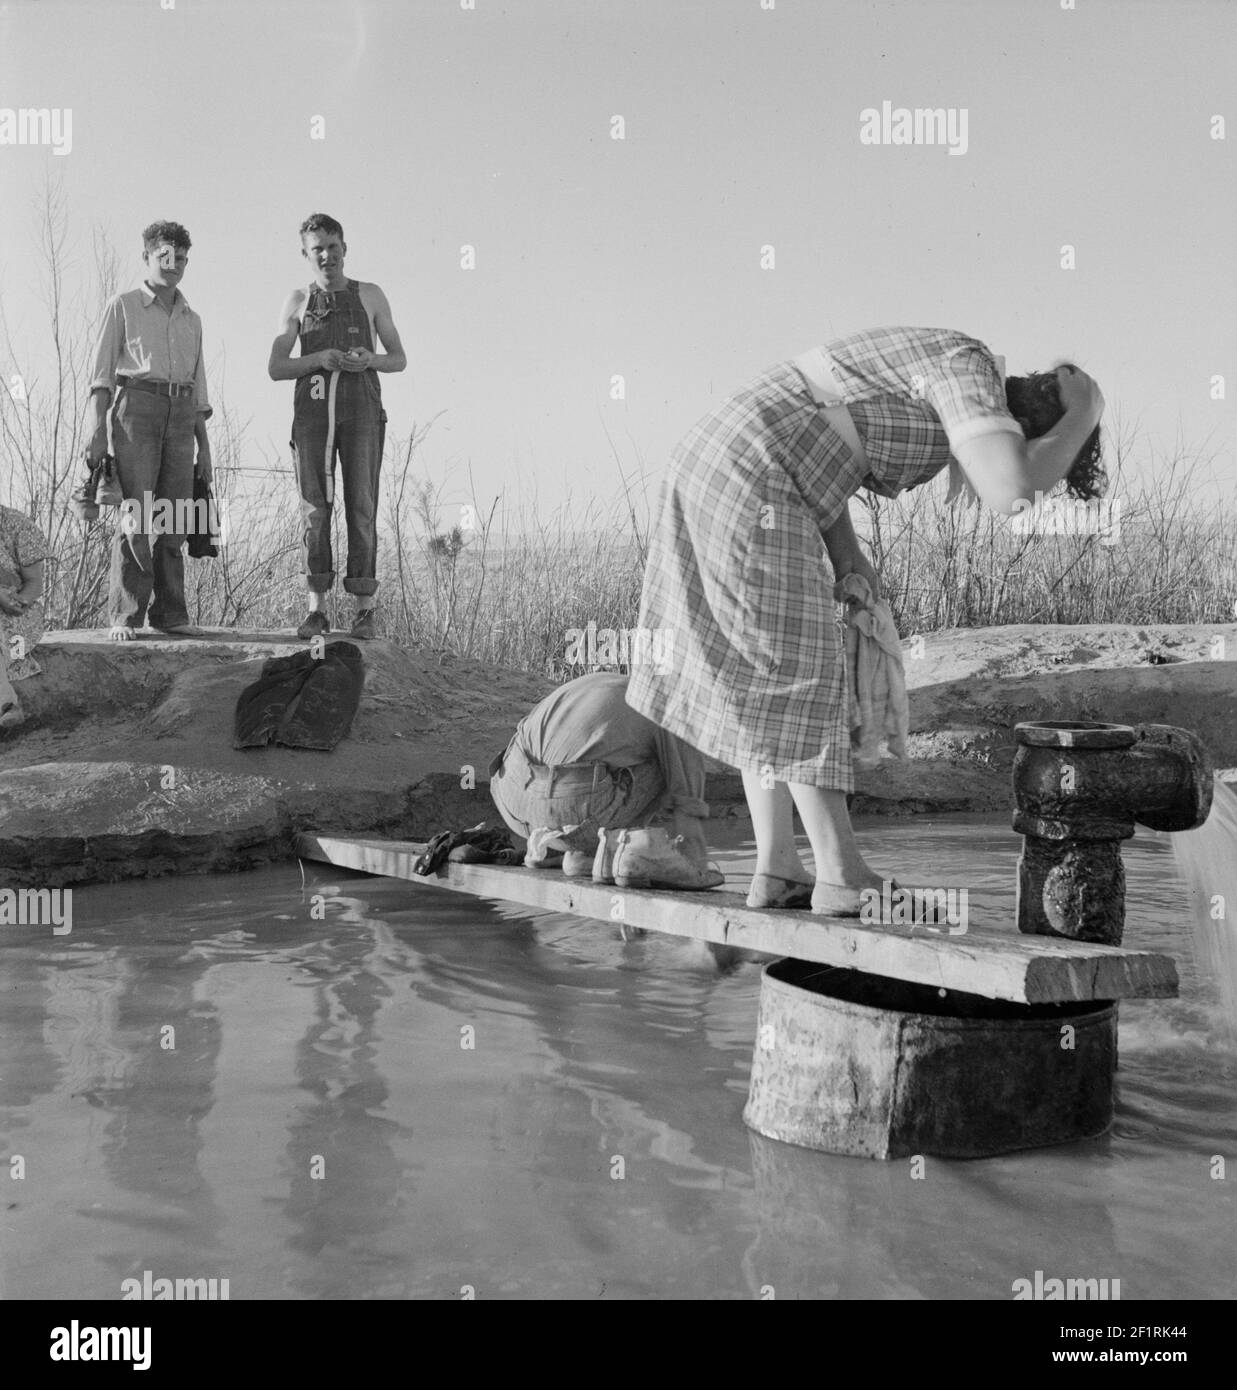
150 356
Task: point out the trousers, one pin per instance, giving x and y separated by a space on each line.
152 437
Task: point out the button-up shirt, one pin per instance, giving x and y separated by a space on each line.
141 338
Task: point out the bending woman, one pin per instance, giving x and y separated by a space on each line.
738 574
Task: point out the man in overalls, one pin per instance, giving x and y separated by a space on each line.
337 410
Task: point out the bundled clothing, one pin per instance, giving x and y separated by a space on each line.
302 701
737 568
479 844
875 680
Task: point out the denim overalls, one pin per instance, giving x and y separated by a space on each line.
338 413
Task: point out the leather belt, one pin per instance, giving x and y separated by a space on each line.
156 388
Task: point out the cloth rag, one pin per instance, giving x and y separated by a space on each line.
874 675
489 845
302 701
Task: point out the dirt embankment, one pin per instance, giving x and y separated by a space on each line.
126 768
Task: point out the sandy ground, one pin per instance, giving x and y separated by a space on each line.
126 766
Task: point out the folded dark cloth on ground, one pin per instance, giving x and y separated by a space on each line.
302 701
485 844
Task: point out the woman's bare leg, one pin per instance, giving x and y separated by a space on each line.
827 822
773 823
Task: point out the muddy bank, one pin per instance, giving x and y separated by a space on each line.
125 767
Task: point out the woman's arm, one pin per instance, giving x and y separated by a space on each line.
846 555
14 602
1004 469
31 583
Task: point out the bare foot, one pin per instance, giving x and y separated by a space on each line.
121 632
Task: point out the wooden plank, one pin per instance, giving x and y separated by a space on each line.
983 961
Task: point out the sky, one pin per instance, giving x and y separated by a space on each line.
1089 126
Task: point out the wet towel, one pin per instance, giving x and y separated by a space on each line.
874 675
302 701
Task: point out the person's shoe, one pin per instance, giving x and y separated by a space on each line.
577 863
608 842
178 629
835 900
365 625
315 625
84 505
109 493
770 890
648 858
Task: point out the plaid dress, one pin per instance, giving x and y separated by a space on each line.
737 576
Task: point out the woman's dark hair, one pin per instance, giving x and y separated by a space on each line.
1035 402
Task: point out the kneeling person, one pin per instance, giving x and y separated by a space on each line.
587 775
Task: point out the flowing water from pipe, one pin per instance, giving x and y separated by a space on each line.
1207 862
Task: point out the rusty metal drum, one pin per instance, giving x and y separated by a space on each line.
853 1063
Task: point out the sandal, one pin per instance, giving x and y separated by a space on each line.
770 890
836 900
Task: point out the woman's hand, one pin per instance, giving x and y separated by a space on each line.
861 566
1081 393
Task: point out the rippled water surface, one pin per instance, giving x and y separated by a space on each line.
357 1088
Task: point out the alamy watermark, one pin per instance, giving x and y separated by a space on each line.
923 125
182 516
1068 1289
37 907
78 1343
592 646
1068 516
38 125
942 910
149 1289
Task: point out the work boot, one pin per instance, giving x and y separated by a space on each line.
109 493
365 624
603 862
648 858
82 499
315 625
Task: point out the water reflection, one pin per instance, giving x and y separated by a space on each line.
527 1105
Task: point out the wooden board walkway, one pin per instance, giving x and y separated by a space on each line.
983 961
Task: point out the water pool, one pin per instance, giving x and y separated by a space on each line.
322 1129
